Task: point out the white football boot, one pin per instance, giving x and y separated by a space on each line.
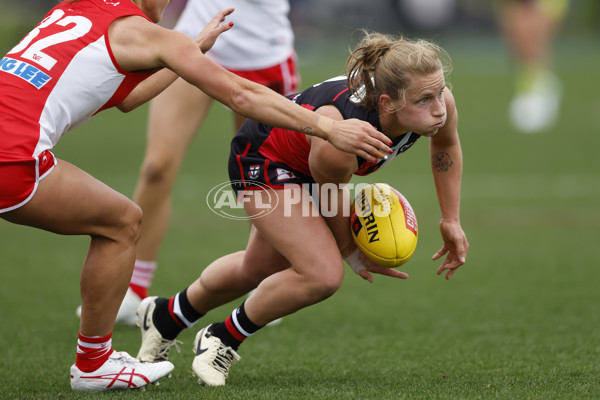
126 314
213 359
154 347
120 371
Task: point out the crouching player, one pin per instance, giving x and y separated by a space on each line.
295 259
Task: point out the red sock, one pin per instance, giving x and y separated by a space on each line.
141 278
93 351
139 290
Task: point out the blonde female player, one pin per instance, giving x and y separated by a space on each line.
294 257
86 56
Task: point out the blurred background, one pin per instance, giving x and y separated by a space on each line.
340 17
335 18
519 320
330 28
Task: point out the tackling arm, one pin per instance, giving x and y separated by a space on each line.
154 47
154 85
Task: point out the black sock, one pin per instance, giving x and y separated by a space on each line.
235 329
173 315
186 314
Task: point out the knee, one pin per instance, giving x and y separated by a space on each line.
157 169
129 223
328 282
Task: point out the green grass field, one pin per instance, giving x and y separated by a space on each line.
520 320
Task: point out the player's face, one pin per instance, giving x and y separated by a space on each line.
424 109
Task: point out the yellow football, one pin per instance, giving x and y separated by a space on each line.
384 225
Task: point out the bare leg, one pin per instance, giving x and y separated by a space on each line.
175 116
306 242
276 243
529 28
229 278
71 202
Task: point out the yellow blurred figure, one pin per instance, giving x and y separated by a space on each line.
529 27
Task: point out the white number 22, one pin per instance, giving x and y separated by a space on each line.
35 51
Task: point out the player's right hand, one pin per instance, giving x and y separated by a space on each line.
363 267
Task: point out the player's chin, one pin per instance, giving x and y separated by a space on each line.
427 133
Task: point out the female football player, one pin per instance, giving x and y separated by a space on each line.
86 56
294 257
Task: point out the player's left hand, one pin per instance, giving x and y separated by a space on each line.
455 245
207 38
362 266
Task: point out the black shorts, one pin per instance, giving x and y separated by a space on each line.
250 170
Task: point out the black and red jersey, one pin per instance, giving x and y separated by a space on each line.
292 149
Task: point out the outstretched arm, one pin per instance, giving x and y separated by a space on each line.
154 47
446 164
154 85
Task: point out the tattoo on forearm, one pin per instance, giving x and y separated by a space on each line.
307 130
441 161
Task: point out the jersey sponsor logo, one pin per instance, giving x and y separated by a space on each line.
405 147
284 174
25 71
404 144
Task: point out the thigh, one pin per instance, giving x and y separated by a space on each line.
261 259
70 201
296 232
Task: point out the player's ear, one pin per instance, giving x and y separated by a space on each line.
387 103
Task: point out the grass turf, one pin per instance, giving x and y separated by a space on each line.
518 321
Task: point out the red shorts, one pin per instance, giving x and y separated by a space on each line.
282 78
19 179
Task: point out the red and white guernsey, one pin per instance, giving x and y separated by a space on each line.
61 74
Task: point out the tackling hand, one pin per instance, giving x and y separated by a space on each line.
360 138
